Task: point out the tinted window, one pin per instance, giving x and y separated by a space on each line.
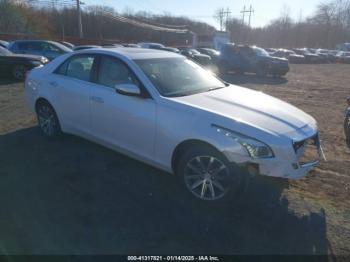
22 46
78 67
113 72
35 46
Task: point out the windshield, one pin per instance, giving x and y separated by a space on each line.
260 52
62 47
178 76
4 52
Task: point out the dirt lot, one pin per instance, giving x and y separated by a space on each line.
74 197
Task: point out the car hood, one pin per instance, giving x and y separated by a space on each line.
253 108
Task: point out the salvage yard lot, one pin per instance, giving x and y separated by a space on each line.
74 197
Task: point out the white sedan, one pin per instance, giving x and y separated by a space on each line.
167 111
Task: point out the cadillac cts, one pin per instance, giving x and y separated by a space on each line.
165 110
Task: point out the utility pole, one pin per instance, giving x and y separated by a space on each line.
227 13
243 14
80 25
250 11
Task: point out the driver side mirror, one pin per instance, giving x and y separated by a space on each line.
128 89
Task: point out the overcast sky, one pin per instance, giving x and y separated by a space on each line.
203 10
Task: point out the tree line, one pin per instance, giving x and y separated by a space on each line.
328 26
18 17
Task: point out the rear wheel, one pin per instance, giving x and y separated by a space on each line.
19 72
208 175
47 119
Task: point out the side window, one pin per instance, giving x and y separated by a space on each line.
35 46
62 69
22 46
113 72
78 67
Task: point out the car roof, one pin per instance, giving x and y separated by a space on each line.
134 53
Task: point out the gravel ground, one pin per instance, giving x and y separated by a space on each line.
74 197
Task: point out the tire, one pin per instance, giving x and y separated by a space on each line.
48 120
19 72
208 175
347 129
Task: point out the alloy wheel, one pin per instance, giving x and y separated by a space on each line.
47 120
19 72
207 177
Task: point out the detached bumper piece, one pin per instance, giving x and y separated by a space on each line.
308 152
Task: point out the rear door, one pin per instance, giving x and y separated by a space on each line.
70 85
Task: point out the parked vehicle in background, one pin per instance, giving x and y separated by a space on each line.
18 64
67 44
151 45
111 45
214 54
131 45
169 49
48 49
292 57
251 59
158 47
309 57
324 54
84 47
343 57
4 44
271 50
196 56
347 122
165 110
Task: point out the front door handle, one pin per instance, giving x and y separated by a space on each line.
97 99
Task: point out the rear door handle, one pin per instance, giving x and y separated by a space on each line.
97 99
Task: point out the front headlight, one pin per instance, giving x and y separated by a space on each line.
44 60
255 148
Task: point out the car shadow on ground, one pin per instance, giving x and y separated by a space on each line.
239 79
6 80
71 196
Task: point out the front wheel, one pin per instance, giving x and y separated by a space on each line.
208 175
19 72
48 121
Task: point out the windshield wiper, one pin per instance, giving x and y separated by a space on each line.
215 88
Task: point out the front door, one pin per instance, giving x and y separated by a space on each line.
126 122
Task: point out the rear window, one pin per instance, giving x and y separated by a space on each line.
78 67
